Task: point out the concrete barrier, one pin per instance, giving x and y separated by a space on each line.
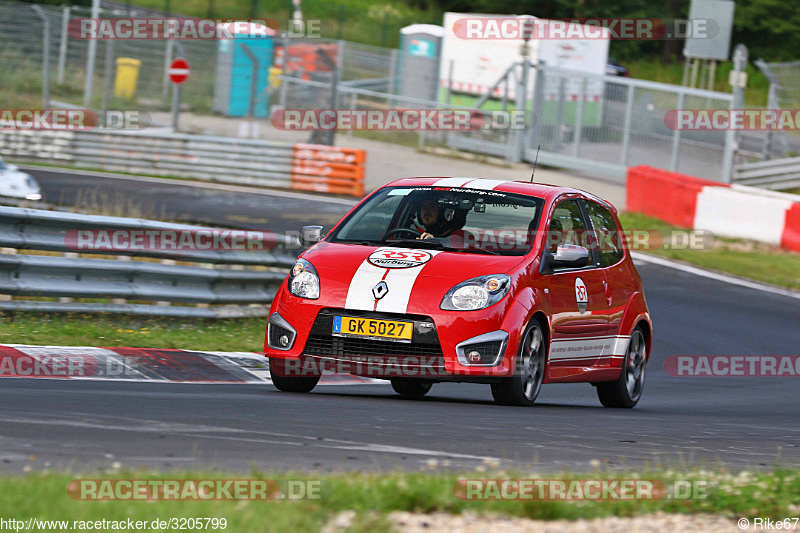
728 211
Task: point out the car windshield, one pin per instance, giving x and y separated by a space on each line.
458 220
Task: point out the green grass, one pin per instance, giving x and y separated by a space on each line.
756 261
373 496
654 70
240 334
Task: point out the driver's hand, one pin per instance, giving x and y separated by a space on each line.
425 235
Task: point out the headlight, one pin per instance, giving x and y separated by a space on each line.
303 280
476 293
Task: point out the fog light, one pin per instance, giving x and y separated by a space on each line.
284 340
474 356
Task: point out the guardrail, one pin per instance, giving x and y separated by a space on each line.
312 167
775 174
223 282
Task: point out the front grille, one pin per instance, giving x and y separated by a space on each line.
322 342
344 346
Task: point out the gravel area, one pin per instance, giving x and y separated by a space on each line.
472 523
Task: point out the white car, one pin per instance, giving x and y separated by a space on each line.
18 184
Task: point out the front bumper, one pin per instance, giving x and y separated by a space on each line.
443 344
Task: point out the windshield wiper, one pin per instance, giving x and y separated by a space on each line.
472 251
417 243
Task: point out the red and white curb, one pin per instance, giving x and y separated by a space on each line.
145 364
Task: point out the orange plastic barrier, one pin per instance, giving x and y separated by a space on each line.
328 169
665 195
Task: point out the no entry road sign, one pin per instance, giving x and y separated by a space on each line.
178 71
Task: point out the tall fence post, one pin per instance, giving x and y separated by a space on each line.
45 56
167 62
90 59
518 145
62 50
772 103
626 130
739 81
538 105
676 138
576 137
109 74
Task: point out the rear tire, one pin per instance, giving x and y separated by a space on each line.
282 382
625 392
411 388
523 387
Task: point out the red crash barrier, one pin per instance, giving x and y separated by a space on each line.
791 229
328 169
665 195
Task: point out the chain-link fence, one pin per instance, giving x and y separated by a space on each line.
784 93
132 74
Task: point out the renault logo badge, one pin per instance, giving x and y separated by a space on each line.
380 290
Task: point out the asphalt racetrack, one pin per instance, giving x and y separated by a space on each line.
735 421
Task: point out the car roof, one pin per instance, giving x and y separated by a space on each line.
540 190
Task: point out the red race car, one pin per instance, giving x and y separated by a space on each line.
429 280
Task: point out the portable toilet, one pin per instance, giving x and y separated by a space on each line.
234 77
420 50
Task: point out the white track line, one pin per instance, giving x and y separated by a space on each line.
647 258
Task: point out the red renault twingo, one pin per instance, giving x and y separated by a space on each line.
506 283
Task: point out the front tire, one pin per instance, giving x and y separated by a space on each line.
282 382
523 387
411 388
626 391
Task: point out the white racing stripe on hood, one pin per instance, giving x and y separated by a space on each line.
470 183
399 280
452 182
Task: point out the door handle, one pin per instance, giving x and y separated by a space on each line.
609 292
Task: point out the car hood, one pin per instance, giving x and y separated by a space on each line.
417 279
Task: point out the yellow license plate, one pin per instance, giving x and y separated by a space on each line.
371 327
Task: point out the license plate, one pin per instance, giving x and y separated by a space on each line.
371 327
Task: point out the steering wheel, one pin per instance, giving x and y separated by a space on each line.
402 230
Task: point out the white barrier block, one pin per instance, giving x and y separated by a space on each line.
741 214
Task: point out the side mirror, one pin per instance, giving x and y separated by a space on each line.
566 256
310 235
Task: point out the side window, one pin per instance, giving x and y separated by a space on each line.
608 237
566 226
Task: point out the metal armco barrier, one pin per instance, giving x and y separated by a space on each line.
773 174
225 159
224 291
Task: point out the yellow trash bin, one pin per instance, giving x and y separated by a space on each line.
274 72
127 76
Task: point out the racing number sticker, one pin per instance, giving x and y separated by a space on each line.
581 295
399 258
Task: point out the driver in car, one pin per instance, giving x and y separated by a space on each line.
434 221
